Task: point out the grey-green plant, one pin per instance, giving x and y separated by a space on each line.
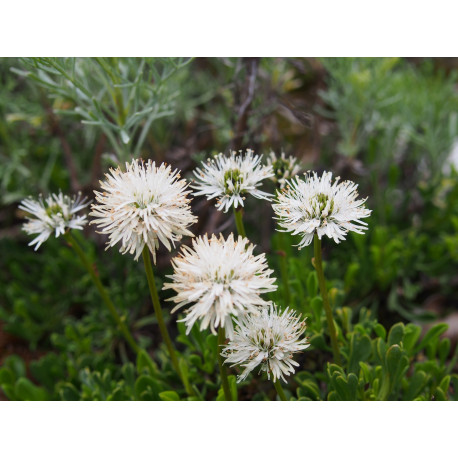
121 96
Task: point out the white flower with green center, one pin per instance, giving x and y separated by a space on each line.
230 178
317 206
221 279
56 213
267 340
284 168
142 206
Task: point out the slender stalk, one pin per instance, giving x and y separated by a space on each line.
238 213
158 309
283 261
102 291
222 367
280 391
324 294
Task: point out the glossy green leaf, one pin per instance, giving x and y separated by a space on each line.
25 390
312 284
432 335
169 396
396 334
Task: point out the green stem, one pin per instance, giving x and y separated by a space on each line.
324 294
102 291
158 309
283 261
238 213
222 367
280 391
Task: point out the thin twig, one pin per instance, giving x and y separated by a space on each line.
68 156
242 115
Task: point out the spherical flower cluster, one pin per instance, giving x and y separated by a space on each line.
142 206
268 340
314 205
221 279
231 178
284 168
56 213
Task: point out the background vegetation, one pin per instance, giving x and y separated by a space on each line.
390 125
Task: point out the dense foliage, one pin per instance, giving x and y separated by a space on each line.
388 124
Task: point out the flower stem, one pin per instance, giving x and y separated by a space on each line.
283 261
324 294
102 291
160 319
158 309
238 213
280 391
222 367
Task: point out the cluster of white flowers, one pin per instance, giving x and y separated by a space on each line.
268 340
315 205
230 178
284 168
143 205
221 279
56 213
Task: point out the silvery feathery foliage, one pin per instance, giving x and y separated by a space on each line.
231 178
142 206
56 213
314 205
221 279
284 168
268 340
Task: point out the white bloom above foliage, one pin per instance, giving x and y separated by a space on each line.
284 168
314 205
56 213
231 178
221 279
268 341
142 206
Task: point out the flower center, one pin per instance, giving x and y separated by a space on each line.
264 340
53 210
280 166
142 201
224 279
321 203
233 180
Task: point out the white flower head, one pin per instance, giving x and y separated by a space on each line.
142 206
221 279
268 340
314 205
56 213
284 168
231 178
